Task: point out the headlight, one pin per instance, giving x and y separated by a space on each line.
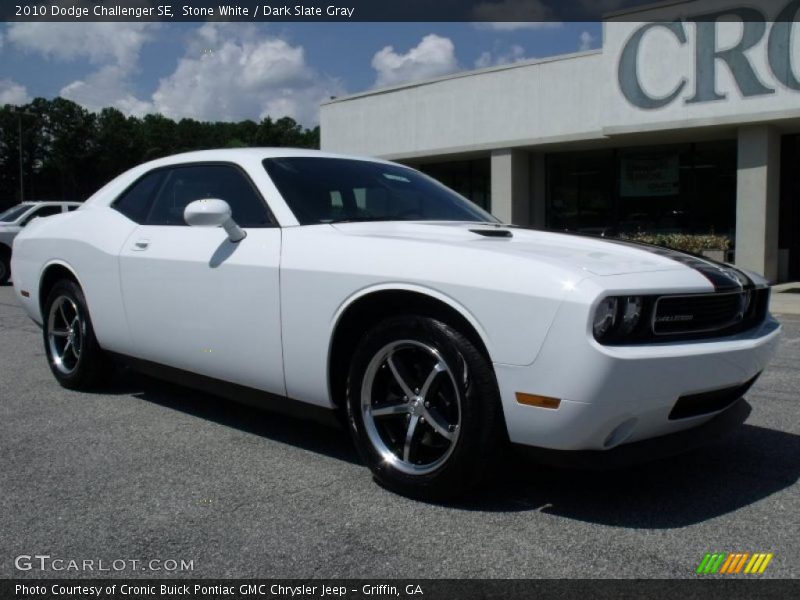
605 318
631 313
617 317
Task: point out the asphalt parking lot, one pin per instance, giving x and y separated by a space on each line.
153 471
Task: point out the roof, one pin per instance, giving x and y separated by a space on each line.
241 156
532 62
248 154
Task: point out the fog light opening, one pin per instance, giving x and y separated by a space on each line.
620 433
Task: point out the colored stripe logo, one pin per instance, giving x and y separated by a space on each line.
734 562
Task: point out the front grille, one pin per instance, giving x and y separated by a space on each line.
695 405
681 317
700 313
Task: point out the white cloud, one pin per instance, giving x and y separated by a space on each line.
484 60
113 47
108 86
229 71
12 92
432 57
512 15
98 42
213 34
239 75
514 54
586 41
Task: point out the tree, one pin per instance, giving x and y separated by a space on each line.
119 143
79 151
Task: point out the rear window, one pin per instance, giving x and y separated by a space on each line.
14 213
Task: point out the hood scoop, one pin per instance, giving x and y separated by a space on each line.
496 233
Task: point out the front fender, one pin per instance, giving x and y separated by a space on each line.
418 289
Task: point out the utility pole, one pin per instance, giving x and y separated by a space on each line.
21 113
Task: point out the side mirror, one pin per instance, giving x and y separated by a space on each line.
212 212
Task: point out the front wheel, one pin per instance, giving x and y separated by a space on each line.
74 356
423 407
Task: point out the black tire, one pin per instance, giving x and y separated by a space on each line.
73 354
462 401
5 265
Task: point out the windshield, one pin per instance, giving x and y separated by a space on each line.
335 190
14 213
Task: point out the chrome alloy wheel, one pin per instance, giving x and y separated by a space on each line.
411 406
65 334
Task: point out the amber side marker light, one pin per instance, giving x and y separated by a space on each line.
540 401
25 294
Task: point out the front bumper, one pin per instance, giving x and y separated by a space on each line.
613 395
656 448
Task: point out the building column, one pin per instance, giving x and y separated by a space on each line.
510 174
757 200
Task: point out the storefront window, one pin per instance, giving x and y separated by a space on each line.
650 195
581 193
789 215
470 178
681 188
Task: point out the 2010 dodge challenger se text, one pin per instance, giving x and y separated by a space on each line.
322 284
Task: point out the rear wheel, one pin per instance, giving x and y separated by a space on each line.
74 356
423 407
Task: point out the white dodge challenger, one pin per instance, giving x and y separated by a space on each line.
322 285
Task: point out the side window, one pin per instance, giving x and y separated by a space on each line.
135 201
71 207
185 184
42 211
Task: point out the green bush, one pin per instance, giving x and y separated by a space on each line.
688 242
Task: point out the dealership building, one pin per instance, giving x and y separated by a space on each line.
681 123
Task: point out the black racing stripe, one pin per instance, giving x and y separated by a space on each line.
723 277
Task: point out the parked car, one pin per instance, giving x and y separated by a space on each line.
15 218
327 285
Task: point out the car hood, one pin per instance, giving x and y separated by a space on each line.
592 255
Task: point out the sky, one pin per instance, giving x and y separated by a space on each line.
234 71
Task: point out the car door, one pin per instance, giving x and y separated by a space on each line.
194 300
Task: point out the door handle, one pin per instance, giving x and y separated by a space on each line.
141 245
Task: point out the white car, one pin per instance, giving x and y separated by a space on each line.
15 218
322 285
